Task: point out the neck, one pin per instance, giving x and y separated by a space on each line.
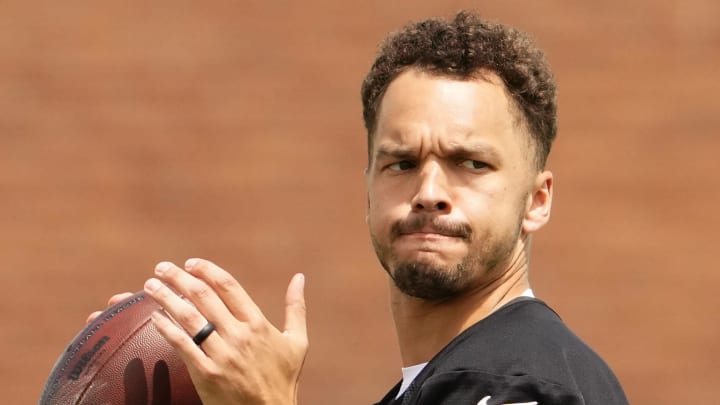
425 327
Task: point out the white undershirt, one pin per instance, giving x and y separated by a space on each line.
409 373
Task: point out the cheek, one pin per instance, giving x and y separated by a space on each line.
492 209
383 211
377 214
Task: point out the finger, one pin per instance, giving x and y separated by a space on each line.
227 288
112 301
93 316
118 297
192 356
197 291
295 312
189 319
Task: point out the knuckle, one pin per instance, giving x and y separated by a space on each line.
198 291
299 351
304 343
226 283
189 317
301 344
242 338
300 307
174 337
210 372
257 324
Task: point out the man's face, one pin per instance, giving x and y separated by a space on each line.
450 183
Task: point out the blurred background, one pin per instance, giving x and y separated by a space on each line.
133 132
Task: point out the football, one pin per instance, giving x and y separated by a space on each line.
120 359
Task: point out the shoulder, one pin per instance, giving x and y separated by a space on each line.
525 333
520 327
523 347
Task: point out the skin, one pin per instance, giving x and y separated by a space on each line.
246 360
449 154
451 181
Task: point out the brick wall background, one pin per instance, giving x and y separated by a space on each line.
133 132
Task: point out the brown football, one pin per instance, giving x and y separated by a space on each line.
120 359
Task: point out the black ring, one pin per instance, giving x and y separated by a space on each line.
203 333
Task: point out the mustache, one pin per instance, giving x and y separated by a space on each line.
433 224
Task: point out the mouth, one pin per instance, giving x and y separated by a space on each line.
431 229
429 235
427 242
421 243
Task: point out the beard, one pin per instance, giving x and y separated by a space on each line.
430 279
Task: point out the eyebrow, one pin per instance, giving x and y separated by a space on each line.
485 150
394 151
456 150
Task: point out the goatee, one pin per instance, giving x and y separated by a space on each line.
428 279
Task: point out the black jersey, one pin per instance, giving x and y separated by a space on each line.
521 354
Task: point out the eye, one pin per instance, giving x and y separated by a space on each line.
401 166
473 164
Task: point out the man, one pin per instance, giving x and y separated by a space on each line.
460 118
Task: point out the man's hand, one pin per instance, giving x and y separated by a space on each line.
245 360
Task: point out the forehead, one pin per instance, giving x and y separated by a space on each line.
423 107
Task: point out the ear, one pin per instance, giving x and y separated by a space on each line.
537 212
367 211
367 194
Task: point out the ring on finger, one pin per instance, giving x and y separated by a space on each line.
203 333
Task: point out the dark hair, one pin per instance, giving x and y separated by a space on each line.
464 48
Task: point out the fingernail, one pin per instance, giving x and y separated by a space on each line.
162 267
190 263
152 285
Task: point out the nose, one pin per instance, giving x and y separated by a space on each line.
432 192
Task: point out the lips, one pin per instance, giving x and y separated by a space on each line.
430 233
431 227
428 237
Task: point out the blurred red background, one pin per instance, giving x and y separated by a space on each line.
133 132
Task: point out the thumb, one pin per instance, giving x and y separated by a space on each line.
295 316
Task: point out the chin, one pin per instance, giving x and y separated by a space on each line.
429 279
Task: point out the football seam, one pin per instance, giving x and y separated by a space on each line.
122 343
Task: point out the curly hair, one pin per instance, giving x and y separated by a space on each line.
465 48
